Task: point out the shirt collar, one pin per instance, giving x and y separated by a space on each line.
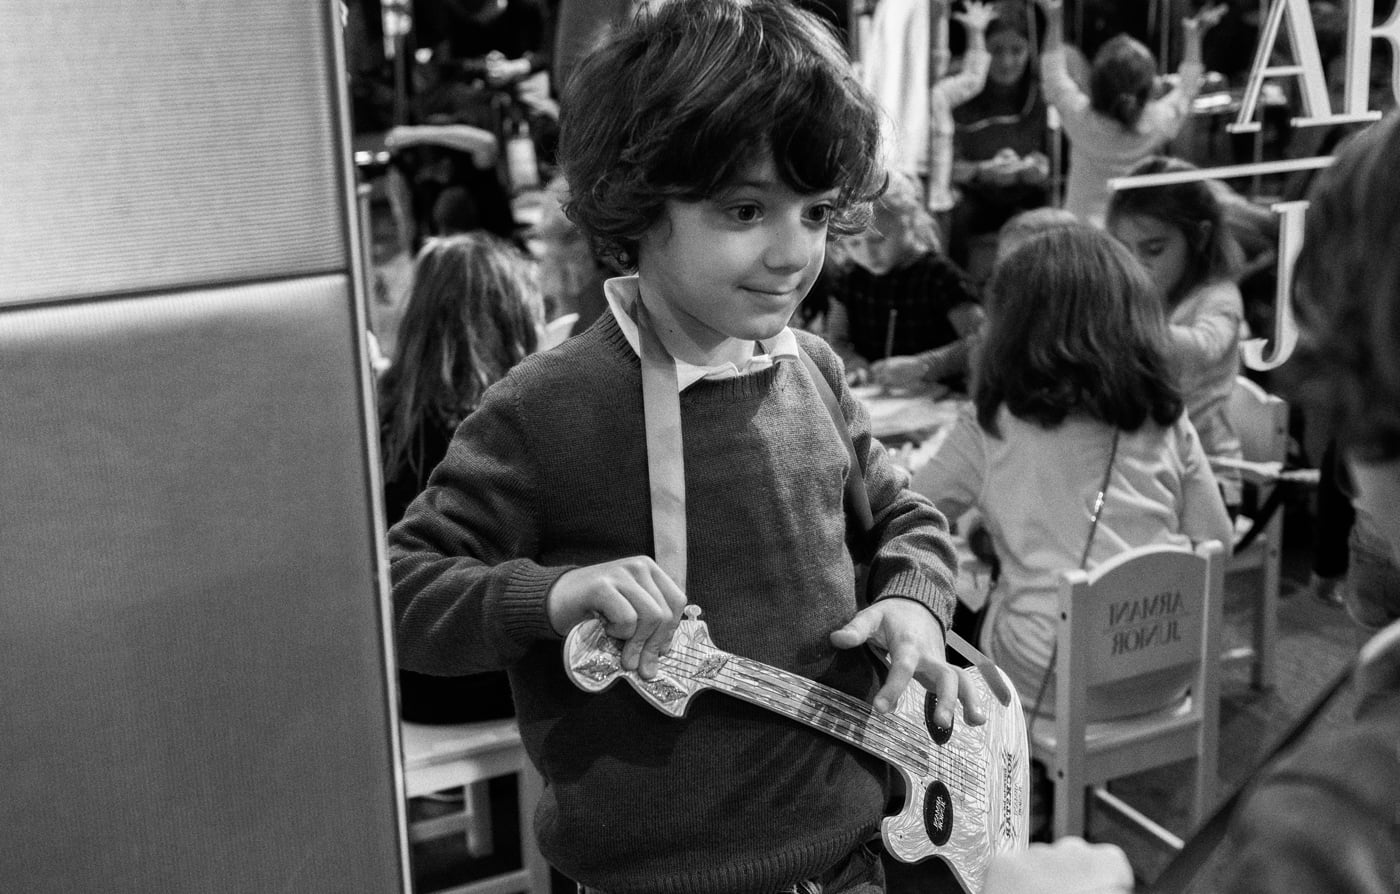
623 292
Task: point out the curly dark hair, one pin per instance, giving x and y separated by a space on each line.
1074 326
683 98
1346 369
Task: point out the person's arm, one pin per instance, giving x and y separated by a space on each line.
911 576
952 478
1203 515
964 85
1215 330
928 368
1060 89
1176 105
466 595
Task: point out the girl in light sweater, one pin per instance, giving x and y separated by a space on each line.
1074 394
1119 122
1179 234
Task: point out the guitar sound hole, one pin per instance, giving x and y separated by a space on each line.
938 814
939 735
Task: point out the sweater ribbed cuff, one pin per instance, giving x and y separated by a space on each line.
931 595
523 608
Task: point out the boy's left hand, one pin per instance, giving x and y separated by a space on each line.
913 638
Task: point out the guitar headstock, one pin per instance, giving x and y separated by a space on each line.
593 661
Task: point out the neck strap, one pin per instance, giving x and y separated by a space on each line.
661 407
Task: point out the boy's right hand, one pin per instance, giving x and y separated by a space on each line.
1051 7
637 601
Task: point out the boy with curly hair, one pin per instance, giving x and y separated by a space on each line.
712 146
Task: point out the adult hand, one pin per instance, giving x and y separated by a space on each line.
637 601
1068 866
976 16
913 639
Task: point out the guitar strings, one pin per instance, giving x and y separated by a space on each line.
908 742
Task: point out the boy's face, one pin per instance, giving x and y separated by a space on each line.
735 266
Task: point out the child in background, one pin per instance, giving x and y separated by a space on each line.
1120 122
951 92
1074 384
1001 145
899 311
1027 224
720 140
1320 817
1178 233
473 312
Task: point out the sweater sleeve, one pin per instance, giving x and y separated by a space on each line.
953 477
1172 110
466 597
914 557
964 85
1213 331
1062 92
1203 514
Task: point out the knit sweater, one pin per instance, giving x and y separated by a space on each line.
548 474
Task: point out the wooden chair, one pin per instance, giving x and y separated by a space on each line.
1260 420
1139 630
463 757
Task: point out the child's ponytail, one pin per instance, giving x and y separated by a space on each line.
1121 81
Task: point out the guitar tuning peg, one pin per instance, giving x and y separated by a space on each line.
691 612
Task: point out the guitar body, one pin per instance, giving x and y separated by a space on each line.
966 790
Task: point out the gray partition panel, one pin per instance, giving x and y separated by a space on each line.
156 144
193 687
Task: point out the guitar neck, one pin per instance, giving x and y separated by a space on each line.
887 736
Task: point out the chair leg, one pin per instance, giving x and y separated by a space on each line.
1070 793
1266 617
480 840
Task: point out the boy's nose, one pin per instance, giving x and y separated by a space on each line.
790 248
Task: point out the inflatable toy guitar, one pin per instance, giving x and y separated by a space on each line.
966 789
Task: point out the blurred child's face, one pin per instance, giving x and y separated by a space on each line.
735 266
883 246
1010 54
1160 246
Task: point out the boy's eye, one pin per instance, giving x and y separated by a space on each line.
820 213
746 213
1153 248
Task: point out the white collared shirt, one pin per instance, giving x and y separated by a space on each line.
623 292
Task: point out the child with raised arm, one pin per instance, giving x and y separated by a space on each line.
1119 122
711 145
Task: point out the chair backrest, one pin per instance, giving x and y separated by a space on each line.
1260 420
1137 631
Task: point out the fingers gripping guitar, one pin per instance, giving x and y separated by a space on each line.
966 787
